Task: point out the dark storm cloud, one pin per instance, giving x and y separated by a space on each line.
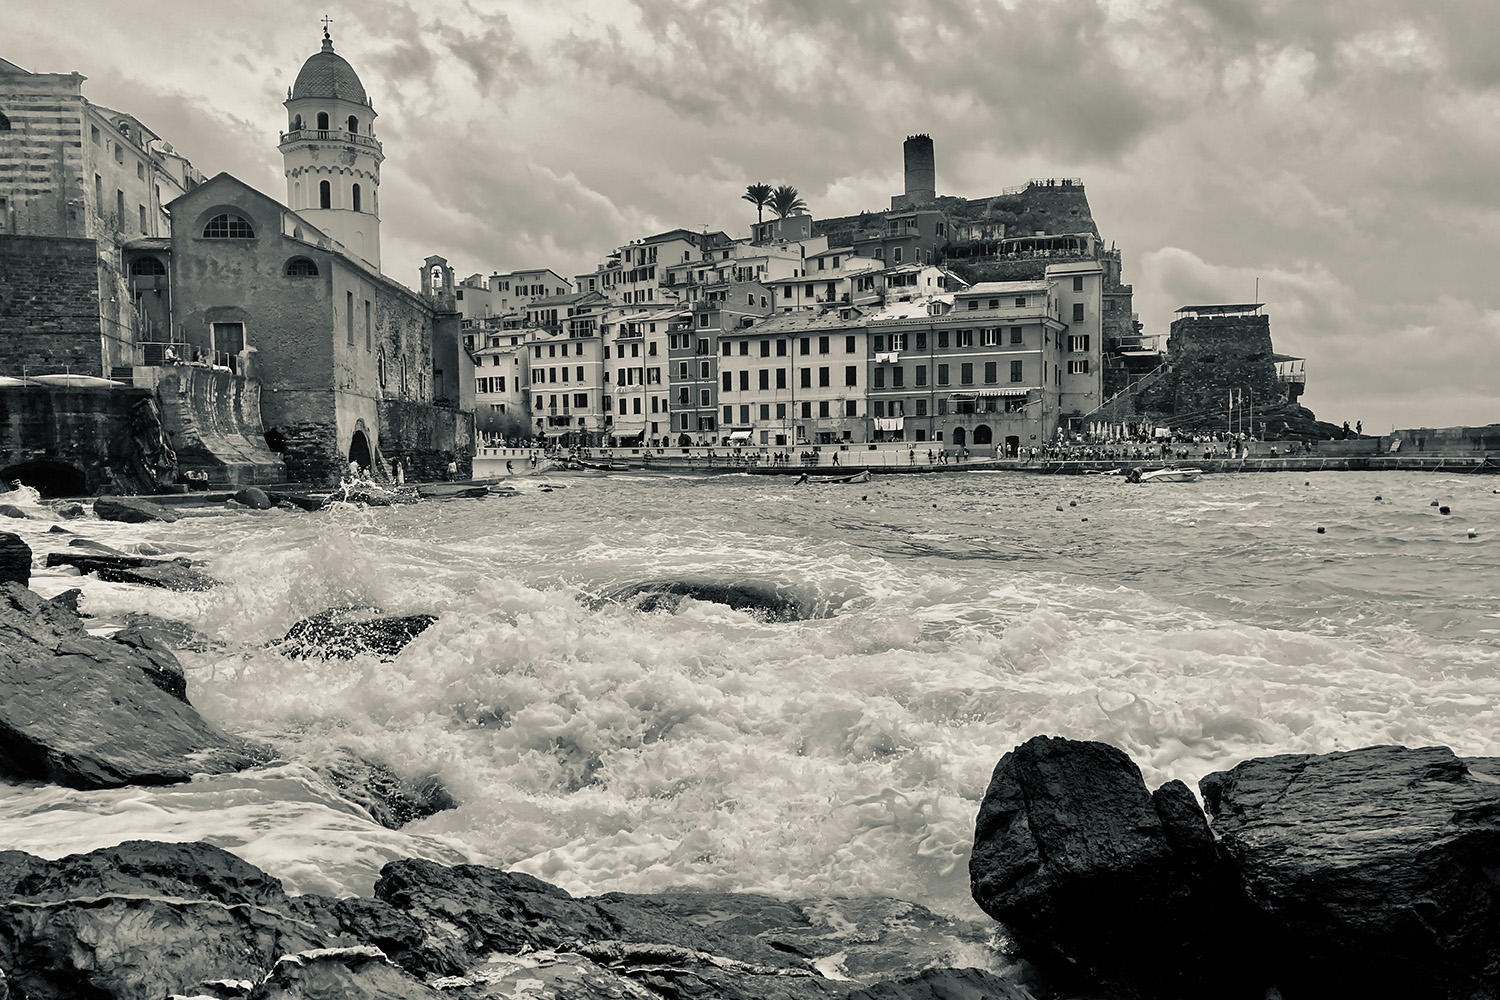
1342 151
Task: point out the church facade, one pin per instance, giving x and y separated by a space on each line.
354 368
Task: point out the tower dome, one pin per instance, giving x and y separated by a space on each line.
331 153
327 74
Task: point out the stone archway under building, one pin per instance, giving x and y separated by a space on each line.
960 437
360 451
983 435
48 477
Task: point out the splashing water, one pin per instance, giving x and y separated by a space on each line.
605 748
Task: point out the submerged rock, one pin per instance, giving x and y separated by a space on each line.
11 510
253 497
391 800
763 600
131 510
1374 869
1091 874
300 501
169 574
15 559
87 712
344 632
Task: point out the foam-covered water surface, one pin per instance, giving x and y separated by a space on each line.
949 617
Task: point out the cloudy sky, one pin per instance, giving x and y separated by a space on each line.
1344 152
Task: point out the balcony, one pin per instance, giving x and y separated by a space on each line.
330 135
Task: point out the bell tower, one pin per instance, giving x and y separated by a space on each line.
331 154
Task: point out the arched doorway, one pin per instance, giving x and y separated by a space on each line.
983 435
359 450
50 479
1012 446
960 437
684 441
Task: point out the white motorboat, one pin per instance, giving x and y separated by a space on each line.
1173 475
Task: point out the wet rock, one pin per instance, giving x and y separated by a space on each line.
159 662
58 529
87 712
72 510
763 600
67 600
1374 869
1072 854
945 984
131 510
11 510
162 632
334 973
168 574
345 632
142 920
391 800
15 559
253 497
299 501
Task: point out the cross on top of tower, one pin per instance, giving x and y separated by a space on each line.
326 22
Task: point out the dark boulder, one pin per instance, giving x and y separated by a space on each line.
72 510
768 602
15 559
1091 875
132 510
162 633
11 510
169 574
391 800
1375 869
142 920
253 497
87 712
345 632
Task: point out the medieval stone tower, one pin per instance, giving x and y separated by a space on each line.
332 156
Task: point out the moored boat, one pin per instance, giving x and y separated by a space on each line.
1170 475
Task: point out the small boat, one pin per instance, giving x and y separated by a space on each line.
858 477
601 466
1171 475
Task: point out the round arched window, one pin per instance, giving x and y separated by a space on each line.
325 194
147 266
323 120
228 227
301 267
353 124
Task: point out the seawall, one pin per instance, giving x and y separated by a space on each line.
213 420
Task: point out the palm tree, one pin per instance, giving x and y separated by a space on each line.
785 201
758 195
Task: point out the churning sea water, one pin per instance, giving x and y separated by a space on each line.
603 748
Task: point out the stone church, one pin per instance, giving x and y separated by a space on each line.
353 367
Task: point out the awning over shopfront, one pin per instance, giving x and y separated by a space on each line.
1000 393
740 435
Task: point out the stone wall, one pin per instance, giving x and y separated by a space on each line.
1444 441
425 438
1211 356
212 419
49 305
65 439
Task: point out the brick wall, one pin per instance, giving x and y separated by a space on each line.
49 305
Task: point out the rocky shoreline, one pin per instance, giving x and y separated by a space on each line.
1370 872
